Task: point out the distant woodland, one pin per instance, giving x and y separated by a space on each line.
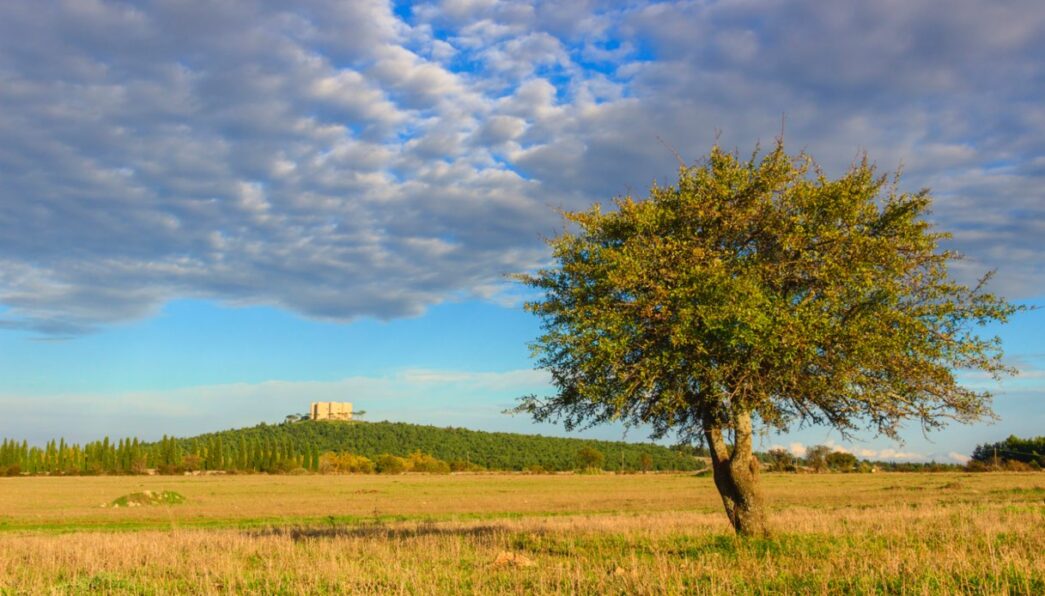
329 447
340 447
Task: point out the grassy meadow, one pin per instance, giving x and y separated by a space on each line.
656 533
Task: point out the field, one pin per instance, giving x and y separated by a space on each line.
897 533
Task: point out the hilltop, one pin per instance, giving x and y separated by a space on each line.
490 450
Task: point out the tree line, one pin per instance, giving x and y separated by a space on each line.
824 458
1012 453
326 446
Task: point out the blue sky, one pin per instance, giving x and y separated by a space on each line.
211 215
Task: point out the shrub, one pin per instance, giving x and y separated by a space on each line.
390 464
422 462
460 465
590 458
840 461
645 462
191 463
345 463
1013 465
166 469
975 465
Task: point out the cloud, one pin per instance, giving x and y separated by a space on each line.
959 457
799 449
340 160
894 454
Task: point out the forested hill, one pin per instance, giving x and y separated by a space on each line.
494 451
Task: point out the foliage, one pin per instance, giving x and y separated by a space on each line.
422 462
391 464
590 458
1027 451
345 463
759 292
840 461
280 448
645 462
816 457
781 460
761 286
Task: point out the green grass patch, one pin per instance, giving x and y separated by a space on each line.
147 498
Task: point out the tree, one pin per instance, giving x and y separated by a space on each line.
590 458
645 462
1031 450
759 292
391 464
816 457
841 461
781 459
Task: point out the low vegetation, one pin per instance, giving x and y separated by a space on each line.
147 498
1013 453
635 534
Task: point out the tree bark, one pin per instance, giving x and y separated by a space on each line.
736 476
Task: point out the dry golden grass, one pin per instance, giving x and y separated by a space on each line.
899 533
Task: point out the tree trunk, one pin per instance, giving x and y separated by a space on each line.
736 477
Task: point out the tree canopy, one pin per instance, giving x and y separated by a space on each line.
760 292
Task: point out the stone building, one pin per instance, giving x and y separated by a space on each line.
331 410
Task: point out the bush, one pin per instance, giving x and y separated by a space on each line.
345 463
422 462
460 465
166 469
645 462
589 458
975 465
840 461
390 464
1013 465
191 463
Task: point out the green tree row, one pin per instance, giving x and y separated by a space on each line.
167 456
486 450
1029 451
289 446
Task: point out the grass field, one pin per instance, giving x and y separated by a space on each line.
896 533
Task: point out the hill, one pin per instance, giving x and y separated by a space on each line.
491 450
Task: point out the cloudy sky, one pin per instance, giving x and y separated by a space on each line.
212 213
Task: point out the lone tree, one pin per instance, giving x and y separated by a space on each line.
590 458
755 294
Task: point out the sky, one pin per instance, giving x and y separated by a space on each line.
212 214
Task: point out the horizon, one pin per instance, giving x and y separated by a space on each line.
797 450
207 215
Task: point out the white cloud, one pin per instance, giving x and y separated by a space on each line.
303 155
894 454
799 449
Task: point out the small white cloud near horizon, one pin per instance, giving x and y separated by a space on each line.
798 449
